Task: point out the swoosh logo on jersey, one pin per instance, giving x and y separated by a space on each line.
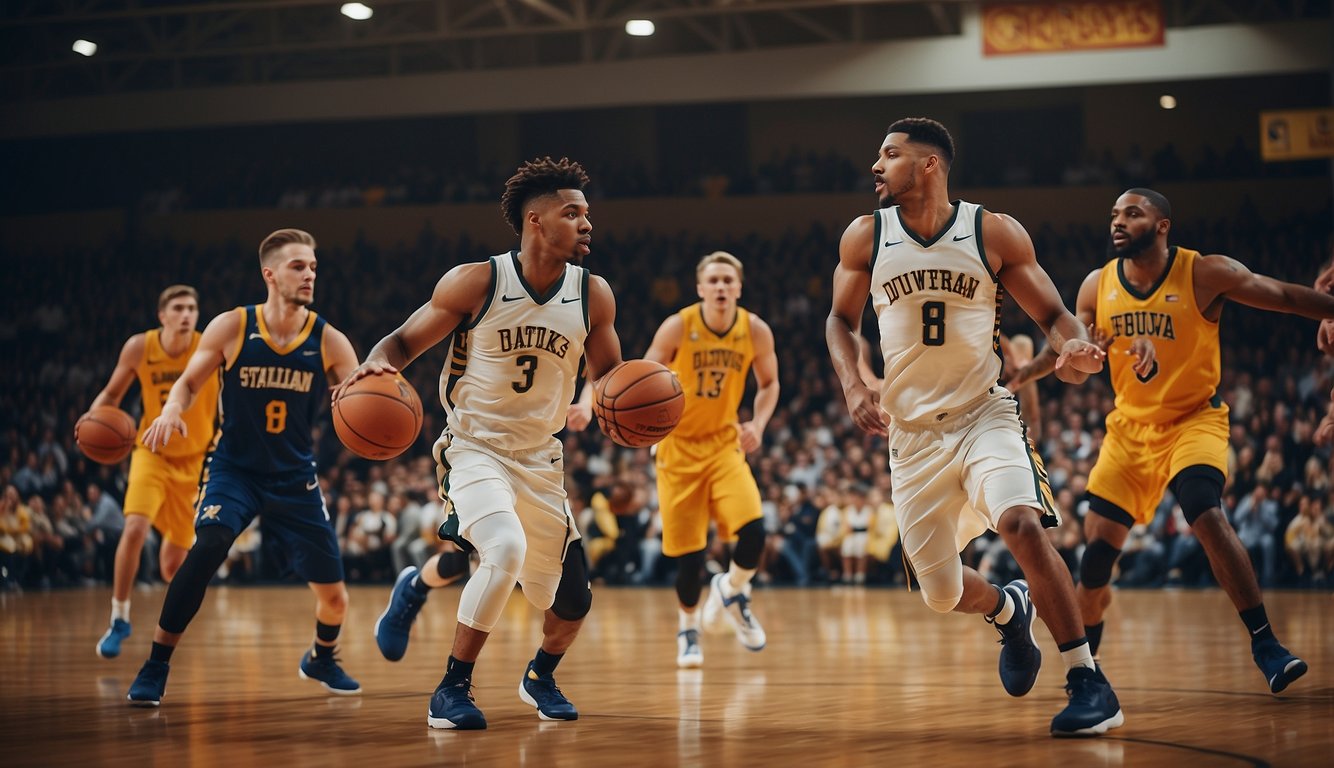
255 336
957 238
312 485
510 298
310 352
570 301
896 242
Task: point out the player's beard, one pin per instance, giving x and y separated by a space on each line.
891 199
1136 246
299 300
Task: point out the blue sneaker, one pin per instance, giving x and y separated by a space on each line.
109 646
393 626
452 706
1020 658
1093 708
541 692
327 672
737 609
149 684
1279 666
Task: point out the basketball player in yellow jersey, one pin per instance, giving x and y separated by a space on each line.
1169 428
162 485
702 470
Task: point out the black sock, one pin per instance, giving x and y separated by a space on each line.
544 664
1094 634
327 637
1257 622
418 584
457 672
161 652
1000 602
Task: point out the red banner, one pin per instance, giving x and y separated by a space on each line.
1049 27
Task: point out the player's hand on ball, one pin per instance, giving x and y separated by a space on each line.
368 368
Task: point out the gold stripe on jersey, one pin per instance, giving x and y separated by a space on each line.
296 341
157 372
1186 369
712 366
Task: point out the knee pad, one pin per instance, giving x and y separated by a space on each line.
186 592
942 589
1095 567
1198 489
573 596
451 565
749 545
689 577
500 542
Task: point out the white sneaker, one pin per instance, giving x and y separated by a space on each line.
688 653
737 609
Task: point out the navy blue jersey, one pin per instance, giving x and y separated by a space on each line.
270 398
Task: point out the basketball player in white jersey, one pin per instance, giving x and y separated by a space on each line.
936 272
519 325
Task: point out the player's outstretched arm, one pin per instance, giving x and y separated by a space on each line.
852 287
221 333
1035 293
1225 277
458 295
602 348
124 374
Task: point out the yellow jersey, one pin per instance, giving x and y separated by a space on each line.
712 366
1186 367
157 372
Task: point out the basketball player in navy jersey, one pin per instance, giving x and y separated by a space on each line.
277 359
936 272
519 325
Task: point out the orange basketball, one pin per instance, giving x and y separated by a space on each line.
638 403
378 416
106 434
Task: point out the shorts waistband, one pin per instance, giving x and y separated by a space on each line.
946 420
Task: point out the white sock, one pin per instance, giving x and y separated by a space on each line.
687 620
738 578
1006 611
1078 657
120 609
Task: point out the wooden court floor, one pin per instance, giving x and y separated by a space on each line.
851 677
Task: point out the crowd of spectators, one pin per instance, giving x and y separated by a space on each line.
60 516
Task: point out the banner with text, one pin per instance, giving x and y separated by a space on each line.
1297 134
1009 28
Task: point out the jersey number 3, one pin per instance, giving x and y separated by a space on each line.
933 323
527 367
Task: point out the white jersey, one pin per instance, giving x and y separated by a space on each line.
938 308
511 370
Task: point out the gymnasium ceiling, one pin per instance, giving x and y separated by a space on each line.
165 45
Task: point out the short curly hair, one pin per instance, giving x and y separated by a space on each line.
924 130
535 178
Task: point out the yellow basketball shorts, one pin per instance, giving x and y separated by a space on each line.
164 490
691 492
1138 460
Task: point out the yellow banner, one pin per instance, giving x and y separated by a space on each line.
1297 134
1009 28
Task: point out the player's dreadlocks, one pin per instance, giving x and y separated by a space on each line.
535 178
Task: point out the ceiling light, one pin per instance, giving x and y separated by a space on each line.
357 11
639 27
84 47
1167 101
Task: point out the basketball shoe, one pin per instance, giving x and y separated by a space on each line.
393 626
1020 658
688 653
453 707
737 609
1279 666
149 684
541 692
109 646
1093 708
325 670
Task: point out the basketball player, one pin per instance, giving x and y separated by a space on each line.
1324 283
162 486
935 271
712 345
1169 428
276 360
519 325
